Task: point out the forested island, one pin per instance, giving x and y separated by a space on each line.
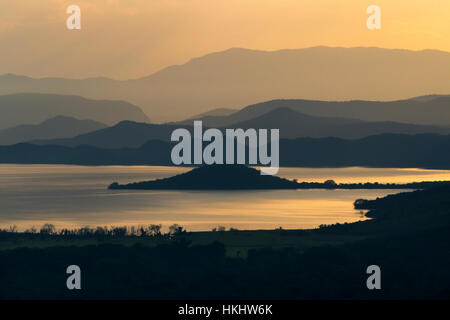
240 177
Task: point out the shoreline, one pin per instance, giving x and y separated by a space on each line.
165 165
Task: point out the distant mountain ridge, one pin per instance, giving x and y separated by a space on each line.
291 124
239 77
32 108
217 112
427 110
57 127
125 134
294 124
383 151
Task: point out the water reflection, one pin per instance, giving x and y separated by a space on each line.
74 196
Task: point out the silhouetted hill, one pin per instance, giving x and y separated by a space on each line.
435 202
240 177
239 77
385 150
151 153
31 108
214 177
429 97
218 112
294 124
432 110
124 134
57 127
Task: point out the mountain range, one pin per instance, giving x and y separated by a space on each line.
425 110
57 127
291 124
32 108
217 112
382 151
126 134
239 77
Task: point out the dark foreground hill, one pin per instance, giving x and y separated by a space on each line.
412 252
410 205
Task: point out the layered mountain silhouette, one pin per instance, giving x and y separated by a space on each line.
238 77
426 110
54 128
122 135
218 112
151 153
31 108
383 151
292 124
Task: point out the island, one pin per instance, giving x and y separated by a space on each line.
214 177
241 177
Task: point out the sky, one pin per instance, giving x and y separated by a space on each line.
124 39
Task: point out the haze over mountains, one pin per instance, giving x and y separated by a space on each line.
291 124
318 141
124 134
426 110
57 127
215 88
238 77
31 108
217 112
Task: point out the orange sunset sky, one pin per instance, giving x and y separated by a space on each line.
125 39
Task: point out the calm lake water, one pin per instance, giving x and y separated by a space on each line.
76 196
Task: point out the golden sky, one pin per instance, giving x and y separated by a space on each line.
126 39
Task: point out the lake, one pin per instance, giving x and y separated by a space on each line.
77 196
